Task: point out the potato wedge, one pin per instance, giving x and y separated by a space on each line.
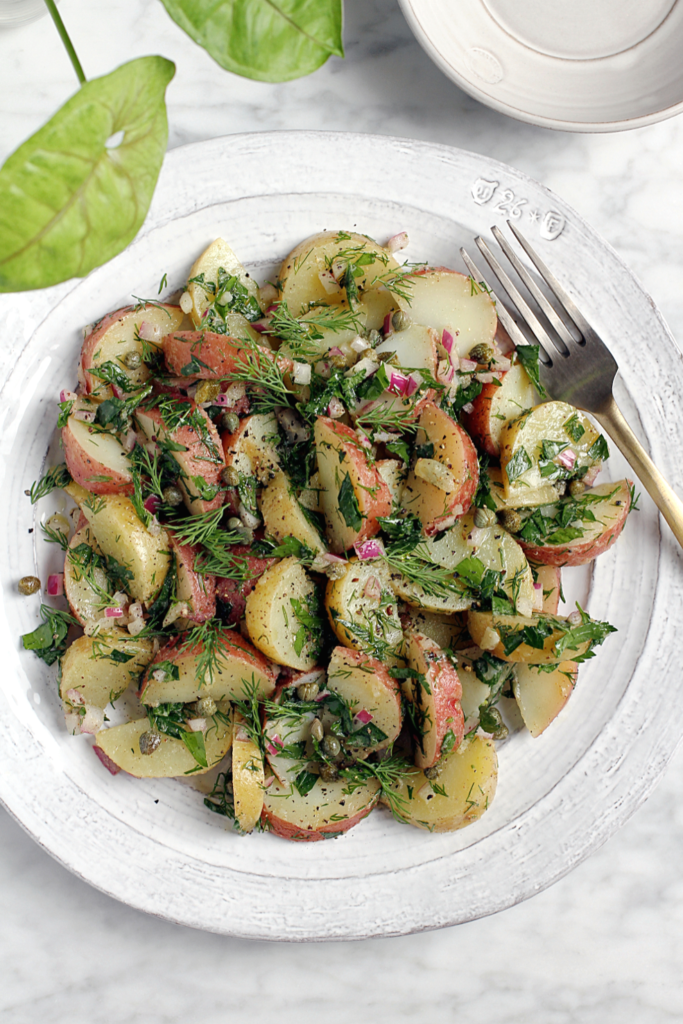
284 516
217 263
583 541
434 692
120 534
85 600
324 812
463 790
535 448
205 355
372 697
353 493
446 300
117 335
305 277
446 630
440 502
540 695
280 615
120 745
252 449
550 579
101 667
226 667
497 405
363 611
197 591
247 776
96 460
415 347
489 632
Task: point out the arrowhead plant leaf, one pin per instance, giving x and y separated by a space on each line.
270 40
76 193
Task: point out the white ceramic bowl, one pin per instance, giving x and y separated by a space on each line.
576 65
152 843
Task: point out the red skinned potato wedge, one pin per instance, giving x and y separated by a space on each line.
195 590
487 629
96 460
116 335
251 449
610 513
348 479
85 603
466 786
435 695
541 696
201 459
370 692
203 355
497 405
440 490
325 811
234 668
235 592
550 579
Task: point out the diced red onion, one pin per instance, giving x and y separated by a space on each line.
567 458
336 408
399 383
150 332
301 373
130 440
411 387
447 340
468 408
154 527
369 549
86 415
110 765
136 626
67 396
502 364
335 351
113 613
444 371
72 723
364 717
538 586
151 504
269 782
484 378
74 697
93 720
360 344
468 365
118 393
387 326
261 326
574 618
221 399
196 724
328 282
372 589
274 745
234 393
397 242
55 584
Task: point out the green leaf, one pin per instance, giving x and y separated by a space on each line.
270 40
69 203
528 356
348 504
194 741
518 464
305 781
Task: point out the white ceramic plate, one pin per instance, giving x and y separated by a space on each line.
152 844
584 65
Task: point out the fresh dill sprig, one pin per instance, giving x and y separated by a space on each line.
418 568
53 536
301 333
386 417
388 772
250 710
58 476
209 639
399 282
264 377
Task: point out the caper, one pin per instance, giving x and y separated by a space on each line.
317 731
229 421
484 517
329 773
373 338
207 391
206 706
172 495
338 359
500 729
576 488
481 353
149 742
432 772
234 523
510 520
330 745
400 320
245 535
132 360
230 476
307 691
28 585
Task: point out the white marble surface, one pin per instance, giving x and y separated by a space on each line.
603 945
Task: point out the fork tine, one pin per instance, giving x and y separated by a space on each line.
518 300
507 321
558 323
561 295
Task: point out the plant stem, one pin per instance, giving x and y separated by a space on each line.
56 17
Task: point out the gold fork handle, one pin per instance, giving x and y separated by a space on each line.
668 503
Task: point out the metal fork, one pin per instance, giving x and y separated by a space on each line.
576 365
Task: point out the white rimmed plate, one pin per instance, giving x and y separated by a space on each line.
584 65
152 844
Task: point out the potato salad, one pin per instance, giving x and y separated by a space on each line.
317 538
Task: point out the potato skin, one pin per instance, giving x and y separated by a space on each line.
309 819
221 354
172 759
114 336
441 703
85 467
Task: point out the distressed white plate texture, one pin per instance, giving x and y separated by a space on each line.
152 843
577 65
